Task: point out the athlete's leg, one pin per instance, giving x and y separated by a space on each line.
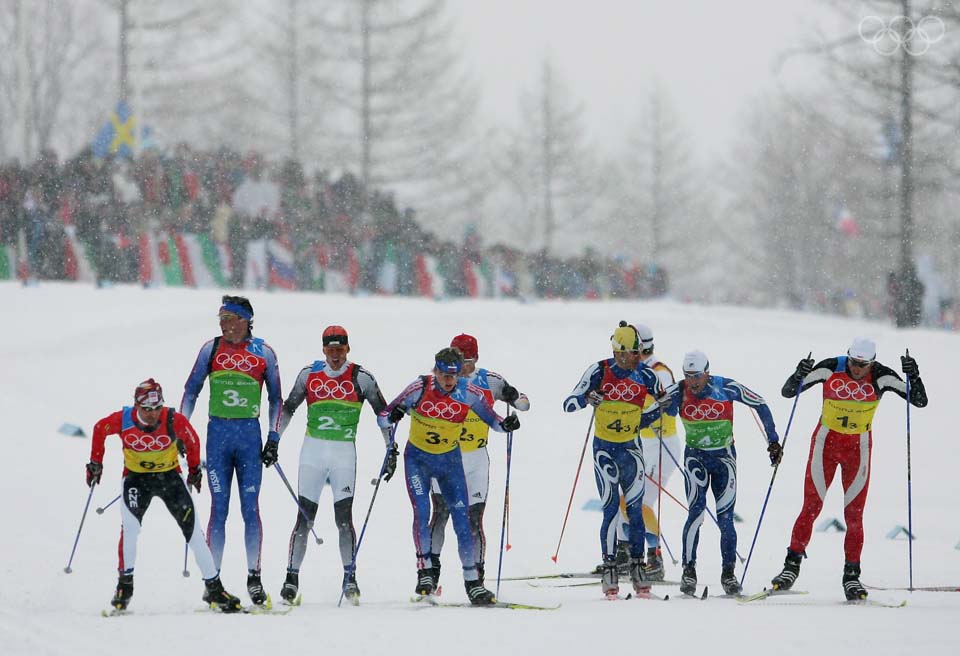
855 475
417 473
311 478
449 474
249 475
821 467
220 479
438 521
723 483
136 495
696 482
176 496
476 471
607 474
659 466
630 461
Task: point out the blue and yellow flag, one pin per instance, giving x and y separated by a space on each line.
118 135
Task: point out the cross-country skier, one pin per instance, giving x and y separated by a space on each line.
705 406
149 434
852 387
617 388
438 404
238 365
473 450
334 390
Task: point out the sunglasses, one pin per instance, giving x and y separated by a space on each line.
228 316
860 364
695 374
147 408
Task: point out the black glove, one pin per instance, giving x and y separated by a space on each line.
804 367
776 453
391 467
396 415
510 423
269 454
195 477
94 470
509 393
594 398
909 367
181 448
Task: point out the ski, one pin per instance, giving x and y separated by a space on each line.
115 612
583 584
928 588
650 596
765 593
696 597
566 575
253 609
875 603
295 602
431 600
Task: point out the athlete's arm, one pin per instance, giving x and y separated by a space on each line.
370 390
887 380
271 376
820 373
405 400
589 381
478 403
109 425
191 390
739 392
497 382
297 394
191 441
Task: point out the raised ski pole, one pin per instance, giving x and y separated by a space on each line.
303 512
83 517
909 491
376 488
506 507
573 491
102 509
776 468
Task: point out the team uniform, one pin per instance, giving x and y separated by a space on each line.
844 438
710 458
618 458
476 468
237 373
151 469
334 400
433 452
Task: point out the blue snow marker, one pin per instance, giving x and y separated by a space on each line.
71 430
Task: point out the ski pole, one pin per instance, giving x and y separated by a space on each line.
909 490
660 490
376 488
83 517
683 505
776 468
115 499
506 507
575 480
297 501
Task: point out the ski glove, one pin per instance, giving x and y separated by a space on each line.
391 467
510 423
509 393
776 453
269 454
396 415
181 448
195 477
94 470
804 367
594 398
909 367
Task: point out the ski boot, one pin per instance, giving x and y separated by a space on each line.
610 581
479 595
217 597
852 587
637 577
479 572
791 570
728 579
653 570
426 583
124 591
688 580
291 586
623 557
350 589
255 588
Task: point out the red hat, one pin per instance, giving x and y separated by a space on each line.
466 344
335 336
148 394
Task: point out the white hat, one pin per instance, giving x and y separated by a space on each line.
695 362
863 348
646 335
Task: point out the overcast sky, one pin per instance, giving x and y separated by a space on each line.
713 57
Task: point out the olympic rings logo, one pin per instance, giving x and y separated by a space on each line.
622 391
901 32
237 361
703 411
440 409
147 442
331 389
851 389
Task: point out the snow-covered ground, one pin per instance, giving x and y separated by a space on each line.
72 353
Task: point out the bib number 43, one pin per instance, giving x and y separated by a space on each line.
619 427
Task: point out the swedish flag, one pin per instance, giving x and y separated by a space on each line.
118 135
